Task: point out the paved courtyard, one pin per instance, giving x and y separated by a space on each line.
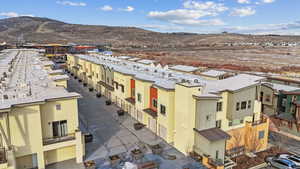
114 135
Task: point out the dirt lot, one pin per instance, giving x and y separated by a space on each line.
236 58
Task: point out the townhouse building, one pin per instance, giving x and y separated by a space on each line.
283 107
38 117
216 118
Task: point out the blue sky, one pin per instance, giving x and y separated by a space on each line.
200 16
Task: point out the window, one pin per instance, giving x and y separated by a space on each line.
249 104
230 123
139 97
237 106
243 105
97 75
219 106
261 134
162 109
218 123
122 88
242 121
217 154
154 103
117 86
58 107
59 128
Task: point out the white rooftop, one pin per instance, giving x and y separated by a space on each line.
184 68
26 80
146 61
213 73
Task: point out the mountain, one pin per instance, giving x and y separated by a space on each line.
44 30
211 50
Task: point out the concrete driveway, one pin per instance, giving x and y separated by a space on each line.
114 135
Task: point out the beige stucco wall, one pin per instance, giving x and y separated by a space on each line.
167 98
49 114
185 109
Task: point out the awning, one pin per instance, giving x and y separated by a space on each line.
130 100
213 134
151 112
106 85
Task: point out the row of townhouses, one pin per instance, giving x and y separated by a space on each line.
212 114
38 116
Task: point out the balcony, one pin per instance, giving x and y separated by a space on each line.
131 100
53 140
151 112
262 120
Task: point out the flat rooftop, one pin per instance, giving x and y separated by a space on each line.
24 79
167 78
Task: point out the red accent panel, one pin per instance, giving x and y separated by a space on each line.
132 87
153 95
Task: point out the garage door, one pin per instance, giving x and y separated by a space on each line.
163 131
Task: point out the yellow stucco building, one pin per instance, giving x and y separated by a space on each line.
194 113
39 118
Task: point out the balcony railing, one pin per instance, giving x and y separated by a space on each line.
53 140
262 120
3 155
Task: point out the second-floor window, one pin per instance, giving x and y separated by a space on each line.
59 128
162 109
237 106
154 103
139 97
249 104
243 105
219 106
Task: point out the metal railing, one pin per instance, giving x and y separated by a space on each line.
53 140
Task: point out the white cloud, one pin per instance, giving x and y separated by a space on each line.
209 6
282 28
244 1
128 9
241 12
106 8
70 3
192 14
163 27
14 14
268 1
